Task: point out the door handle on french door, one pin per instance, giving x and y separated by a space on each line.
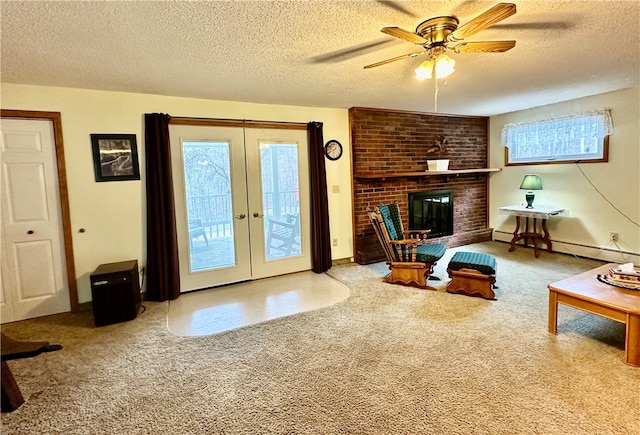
241 216
258 215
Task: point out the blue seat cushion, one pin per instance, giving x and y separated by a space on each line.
484 263
430 253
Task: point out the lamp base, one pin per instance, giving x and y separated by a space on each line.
529 197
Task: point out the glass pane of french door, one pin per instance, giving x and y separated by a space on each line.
207 174
280 199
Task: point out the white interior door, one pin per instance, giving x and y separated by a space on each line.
34 281
242 203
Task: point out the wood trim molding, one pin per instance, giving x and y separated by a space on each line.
242 123
414 112
56 119
382 176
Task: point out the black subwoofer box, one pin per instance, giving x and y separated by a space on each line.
115 290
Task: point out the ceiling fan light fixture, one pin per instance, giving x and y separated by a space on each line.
442 64
425 70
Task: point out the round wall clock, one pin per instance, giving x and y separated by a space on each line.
333 150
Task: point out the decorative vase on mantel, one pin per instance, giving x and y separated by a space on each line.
438 165
439 148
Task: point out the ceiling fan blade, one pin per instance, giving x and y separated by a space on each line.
484 47
535 25
393 59
405 35
486 19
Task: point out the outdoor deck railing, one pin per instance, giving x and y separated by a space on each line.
216 213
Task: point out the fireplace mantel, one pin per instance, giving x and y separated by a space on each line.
382 176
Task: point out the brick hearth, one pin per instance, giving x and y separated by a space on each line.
388 142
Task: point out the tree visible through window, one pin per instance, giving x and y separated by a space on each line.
573 138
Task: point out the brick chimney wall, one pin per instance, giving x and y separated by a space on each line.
388 142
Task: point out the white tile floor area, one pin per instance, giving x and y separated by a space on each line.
220 309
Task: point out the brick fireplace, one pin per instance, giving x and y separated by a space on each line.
389 160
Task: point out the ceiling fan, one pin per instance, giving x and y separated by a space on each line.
441 34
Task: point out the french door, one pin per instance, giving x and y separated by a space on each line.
242 203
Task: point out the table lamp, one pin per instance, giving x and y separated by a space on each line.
531 182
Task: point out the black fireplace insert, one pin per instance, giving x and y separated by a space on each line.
432 210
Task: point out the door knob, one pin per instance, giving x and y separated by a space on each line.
241 216
30 232
257 215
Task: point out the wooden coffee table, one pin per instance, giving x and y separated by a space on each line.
585 292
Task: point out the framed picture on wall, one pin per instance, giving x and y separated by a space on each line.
115 157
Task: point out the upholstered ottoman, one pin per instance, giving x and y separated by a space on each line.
472 274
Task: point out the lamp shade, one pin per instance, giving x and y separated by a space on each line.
531 182
425 70
444 66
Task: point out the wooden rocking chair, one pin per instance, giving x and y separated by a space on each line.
410 259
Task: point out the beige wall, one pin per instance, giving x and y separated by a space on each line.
113 213
592 216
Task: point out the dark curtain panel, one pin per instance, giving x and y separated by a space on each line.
320 237
163 273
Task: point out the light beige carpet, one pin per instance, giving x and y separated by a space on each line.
389 360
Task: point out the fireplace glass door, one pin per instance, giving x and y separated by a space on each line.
432 210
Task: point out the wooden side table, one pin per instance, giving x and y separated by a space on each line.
538 213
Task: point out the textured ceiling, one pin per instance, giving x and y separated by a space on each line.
312 53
